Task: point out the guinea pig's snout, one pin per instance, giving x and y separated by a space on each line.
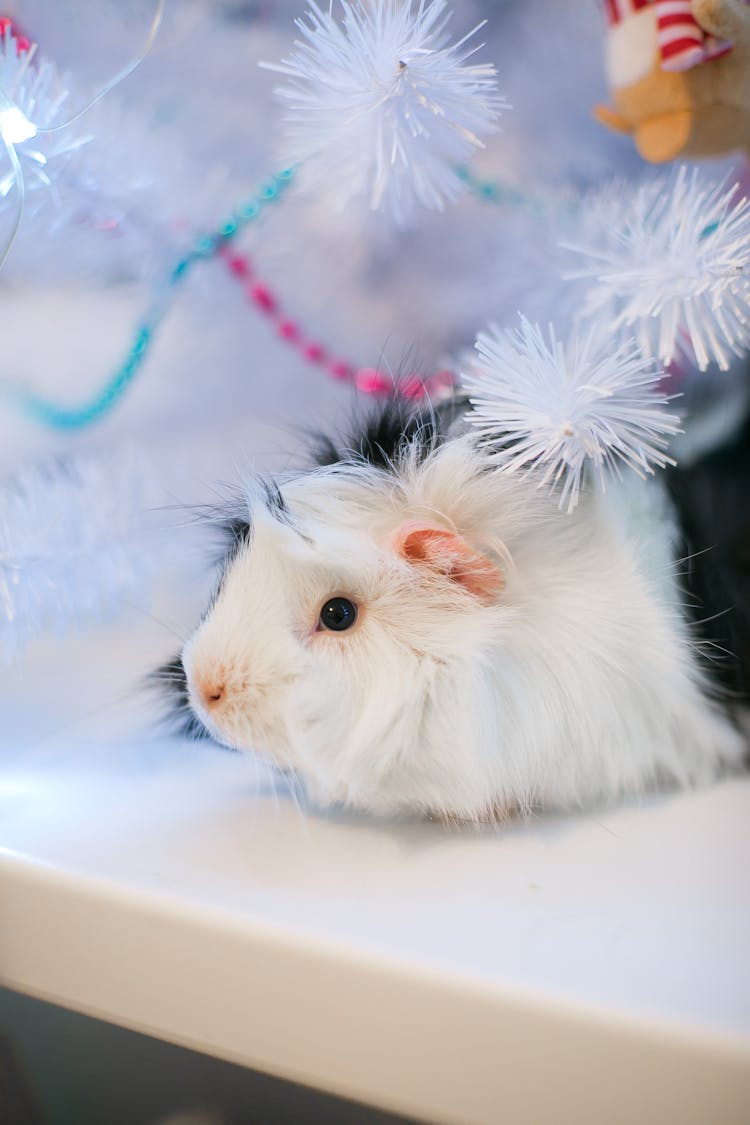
236 698
211 684
210 689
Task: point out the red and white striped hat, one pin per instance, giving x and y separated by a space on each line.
681 41
619 10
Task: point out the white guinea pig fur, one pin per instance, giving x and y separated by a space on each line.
506 655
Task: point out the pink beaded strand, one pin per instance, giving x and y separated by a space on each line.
367 380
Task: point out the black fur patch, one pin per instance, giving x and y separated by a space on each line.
275 502
380 436
236 530
235 533
170 679
712 499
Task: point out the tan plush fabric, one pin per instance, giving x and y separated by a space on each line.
704 111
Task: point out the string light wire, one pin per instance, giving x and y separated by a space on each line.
121 74
10 111
15 166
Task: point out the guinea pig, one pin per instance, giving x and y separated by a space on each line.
407 627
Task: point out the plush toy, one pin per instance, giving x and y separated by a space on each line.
680 76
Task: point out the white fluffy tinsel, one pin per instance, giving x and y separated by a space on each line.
32 96
552 408
383 106
670 262
73 543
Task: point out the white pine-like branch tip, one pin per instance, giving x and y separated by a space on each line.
73 544
32 96
551 409
382 105
670 261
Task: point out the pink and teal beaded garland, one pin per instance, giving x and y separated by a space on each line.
75 417
367 380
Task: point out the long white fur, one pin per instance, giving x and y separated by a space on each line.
578 686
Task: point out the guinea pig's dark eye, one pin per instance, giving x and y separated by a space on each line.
338 614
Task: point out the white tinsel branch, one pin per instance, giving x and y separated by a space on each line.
552 408
670 263
72 544
383 106
32 97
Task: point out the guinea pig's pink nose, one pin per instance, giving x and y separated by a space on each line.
210 690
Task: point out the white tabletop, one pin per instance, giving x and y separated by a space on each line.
589 968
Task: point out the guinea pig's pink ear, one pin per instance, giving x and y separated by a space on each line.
446 553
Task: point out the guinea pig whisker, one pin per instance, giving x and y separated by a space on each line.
82 716
181 636
291 783
705 645
714 616
689 557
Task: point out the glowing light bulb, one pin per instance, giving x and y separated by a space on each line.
15 126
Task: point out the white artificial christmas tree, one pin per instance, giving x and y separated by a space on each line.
387 104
